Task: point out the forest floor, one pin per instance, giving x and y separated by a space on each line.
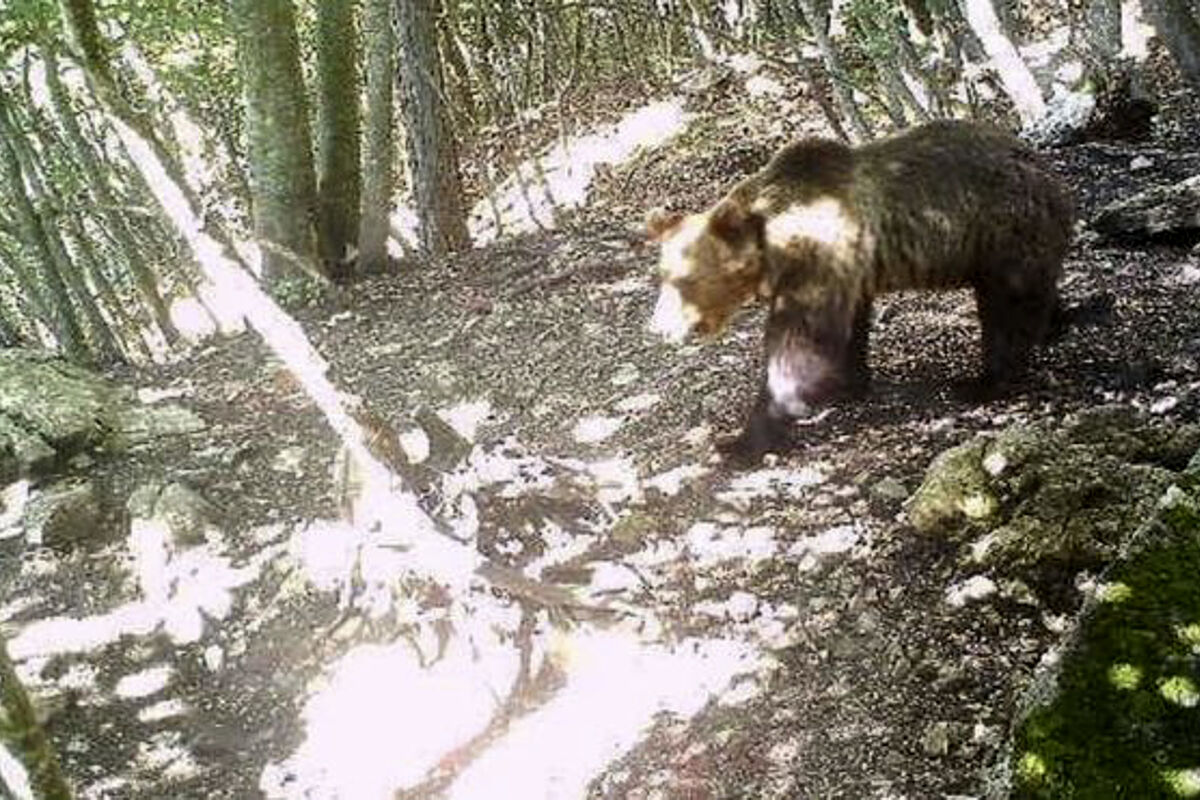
878 685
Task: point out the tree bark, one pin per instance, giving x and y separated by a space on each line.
1178 27
379 145
432 151
282 182
1014 74
339 181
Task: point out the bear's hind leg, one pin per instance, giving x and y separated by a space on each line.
1014 321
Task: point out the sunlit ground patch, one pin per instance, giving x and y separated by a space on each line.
595 429
773 482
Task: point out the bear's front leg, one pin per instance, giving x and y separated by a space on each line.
813 355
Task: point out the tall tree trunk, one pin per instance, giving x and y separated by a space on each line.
144 277
282 182
1014 74
1178 26
57 298
379 146
432 151
339 181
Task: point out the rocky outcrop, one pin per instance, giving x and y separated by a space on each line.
1112 497
1044 501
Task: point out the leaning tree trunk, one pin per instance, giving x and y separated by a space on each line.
282 182
378 158
338 178
432 151
24 738
1179 27
1014 74
51 212
57 299
32 298
144 277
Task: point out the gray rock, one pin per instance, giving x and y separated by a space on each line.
1062 496
187 517
67 406
63 516
889 491
22 452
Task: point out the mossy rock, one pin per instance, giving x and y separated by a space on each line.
1057 499
1125 720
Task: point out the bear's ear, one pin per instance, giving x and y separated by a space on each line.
660 222
733 222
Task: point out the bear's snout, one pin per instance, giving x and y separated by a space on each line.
673 318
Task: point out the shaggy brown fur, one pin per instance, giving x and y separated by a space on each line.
823 228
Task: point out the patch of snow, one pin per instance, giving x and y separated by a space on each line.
778 481
609 577
162 710
415 444
760 86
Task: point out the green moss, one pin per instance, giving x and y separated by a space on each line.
1126 722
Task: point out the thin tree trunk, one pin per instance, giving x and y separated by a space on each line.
464 100
379 147
125 324
432 151
10 325
818 25
282 181
1179 28
144 277
339 181
1096 32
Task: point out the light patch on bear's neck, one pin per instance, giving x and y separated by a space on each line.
824 221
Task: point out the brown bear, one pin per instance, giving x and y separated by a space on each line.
824 227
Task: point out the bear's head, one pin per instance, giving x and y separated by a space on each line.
711 265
